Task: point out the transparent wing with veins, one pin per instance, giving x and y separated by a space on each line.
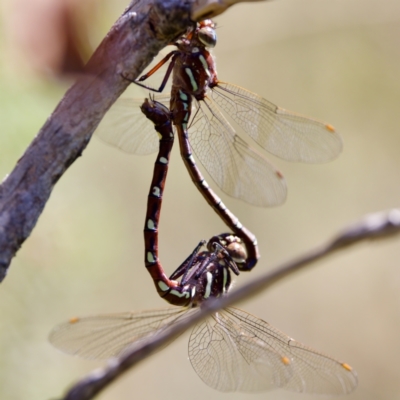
283 133
230 351
125 127
236 351
234 166
108 335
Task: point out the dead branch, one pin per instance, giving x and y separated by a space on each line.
139 34
375 226
202 9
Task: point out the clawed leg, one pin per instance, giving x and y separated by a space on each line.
172 54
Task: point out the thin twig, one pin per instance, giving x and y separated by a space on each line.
202 9
372 227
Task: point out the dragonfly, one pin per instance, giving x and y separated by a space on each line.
185 292
231 350
198 102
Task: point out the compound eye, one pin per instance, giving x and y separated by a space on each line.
207 36
232 244
237 252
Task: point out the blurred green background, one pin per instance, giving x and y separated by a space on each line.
338 61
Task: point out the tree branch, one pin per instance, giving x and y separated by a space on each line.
372 227
202 9
139 34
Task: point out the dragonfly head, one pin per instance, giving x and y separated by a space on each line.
233 246
206 33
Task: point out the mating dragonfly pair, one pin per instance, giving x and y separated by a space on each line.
232 350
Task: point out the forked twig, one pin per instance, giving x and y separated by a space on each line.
372 227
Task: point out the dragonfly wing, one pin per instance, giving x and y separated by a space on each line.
226 359
235 167
237 351
105 336
125 127
285 134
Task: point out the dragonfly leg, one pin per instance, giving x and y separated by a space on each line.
172 54
232 265
187 264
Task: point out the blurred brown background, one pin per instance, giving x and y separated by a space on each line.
338 61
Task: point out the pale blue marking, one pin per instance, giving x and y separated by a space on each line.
163 286
208 286
192 80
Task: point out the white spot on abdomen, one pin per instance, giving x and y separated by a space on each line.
150 224
178 294
156 191
150 257
163 286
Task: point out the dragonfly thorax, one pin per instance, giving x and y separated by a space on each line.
214 281
194 72
210 272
